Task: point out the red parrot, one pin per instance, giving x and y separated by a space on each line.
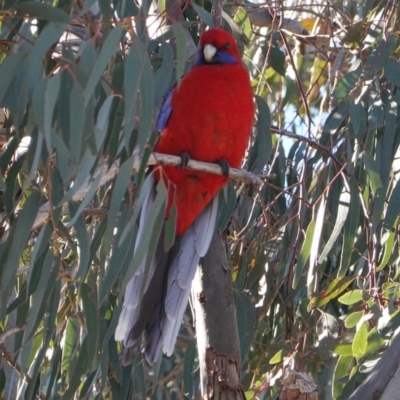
207 117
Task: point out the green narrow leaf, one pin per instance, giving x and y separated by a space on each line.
49 35
375 342
240 280
375 112
102 122
121 253
79 368
350 228
135 63
204 15
343 350
385 145
92 318
378 58
304 254
392 68
50 101
36 270
277 357
319 223
148 241
243 21
352 297
341 371
98 237
393 209
343 210
42 11
353 319
372 171
188 364
180 37
261 150
35 161
169 228
55 368
115 364
276 59
88 56
157 370
83 243
391 326
8 153
38 307
246 321
107 51
139 374
335 287
119 189
8 68
76 121
147 102
346 84
11 181
360 341
71 342
88 385
226 206
389 247
358 118
163 76
14 245
144 189
336 117
52 309
326 345
76 213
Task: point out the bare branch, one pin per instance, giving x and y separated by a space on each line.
243 176
105 173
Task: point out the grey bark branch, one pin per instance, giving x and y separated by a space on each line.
383 378
107 174
216 325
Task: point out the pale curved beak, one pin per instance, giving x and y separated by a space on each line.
209 52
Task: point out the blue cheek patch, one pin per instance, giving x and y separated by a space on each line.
221 57
224 58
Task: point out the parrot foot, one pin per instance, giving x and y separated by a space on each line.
185 158
224 167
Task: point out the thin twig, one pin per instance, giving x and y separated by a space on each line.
298 80
311 142
10 332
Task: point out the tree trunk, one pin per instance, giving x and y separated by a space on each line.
382 381
216 326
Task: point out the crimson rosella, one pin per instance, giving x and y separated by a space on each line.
207 117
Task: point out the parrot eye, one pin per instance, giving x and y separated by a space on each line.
226 46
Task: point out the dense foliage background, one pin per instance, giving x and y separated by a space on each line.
315 250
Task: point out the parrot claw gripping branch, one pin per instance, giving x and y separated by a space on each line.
208 117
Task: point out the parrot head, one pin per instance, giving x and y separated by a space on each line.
217 47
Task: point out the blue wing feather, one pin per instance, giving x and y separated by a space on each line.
165 112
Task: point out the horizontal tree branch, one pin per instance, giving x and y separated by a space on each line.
241 175
105 173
